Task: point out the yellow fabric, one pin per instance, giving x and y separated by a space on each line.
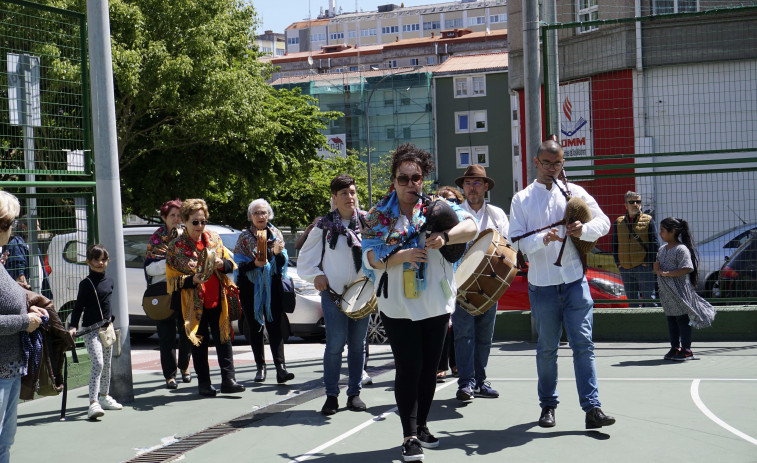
630 253
191 304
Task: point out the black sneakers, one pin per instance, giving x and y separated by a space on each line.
683 355
411 450
427 439
547 417
672 353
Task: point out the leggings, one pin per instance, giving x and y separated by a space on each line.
416 347
99 377
679 331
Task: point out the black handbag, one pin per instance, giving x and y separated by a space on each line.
156 301
288 296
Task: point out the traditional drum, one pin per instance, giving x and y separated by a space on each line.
485 273
358 300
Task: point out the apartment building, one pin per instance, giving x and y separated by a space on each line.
392 23
271 43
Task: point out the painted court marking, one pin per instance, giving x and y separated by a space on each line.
352 431
694 396
703 408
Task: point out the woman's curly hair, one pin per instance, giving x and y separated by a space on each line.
408 152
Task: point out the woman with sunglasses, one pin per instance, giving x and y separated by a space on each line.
155 273
202 302
419 293
260 290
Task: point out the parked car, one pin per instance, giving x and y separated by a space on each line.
738 276
713 252
66 262
606 290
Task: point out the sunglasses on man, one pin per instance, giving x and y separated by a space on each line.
634 201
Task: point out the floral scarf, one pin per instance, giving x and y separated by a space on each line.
181 263
331 223
244 252
158 245
381 237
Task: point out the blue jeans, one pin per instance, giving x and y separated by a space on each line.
341 330
473 340
552 307
638 283
10 388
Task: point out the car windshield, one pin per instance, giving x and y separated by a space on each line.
718 235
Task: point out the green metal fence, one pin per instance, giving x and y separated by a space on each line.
663 102
45 144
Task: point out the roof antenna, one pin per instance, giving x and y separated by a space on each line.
743 222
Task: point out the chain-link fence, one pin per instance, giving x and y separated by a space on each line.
45 146
661 101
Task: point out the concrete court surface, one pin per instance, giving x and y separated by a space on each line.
703 410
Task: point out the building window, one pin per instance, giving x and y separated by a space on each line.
280 52
390 29
390 133
393 63
470 121
367 32
498 18
318 38
337 36
353 68
588 10
431 25
467 155
470 86
476 20
267 50
293 40
453 23
406 133
430 60
673 6
411 27
405 101
413 61
352 34
461 87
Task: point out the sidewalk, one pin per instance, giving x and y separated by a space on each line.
653 400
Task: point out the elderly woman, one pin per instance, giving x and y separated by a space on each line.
260 289
155 272
16 322
416 291
202 302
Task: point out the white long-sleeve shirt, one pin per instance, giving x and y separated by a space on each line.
488 217
535 207
338 265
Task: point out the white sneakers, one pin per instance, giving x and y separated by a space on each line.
97 409
109 403
366 380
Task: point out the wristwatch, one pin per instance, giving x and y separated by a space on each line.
446 238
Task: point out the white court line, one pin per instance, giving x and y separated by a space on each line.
569 378
352 431
703 408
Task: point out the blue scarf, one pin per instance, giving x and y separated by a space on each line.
381 237
31 343
260 276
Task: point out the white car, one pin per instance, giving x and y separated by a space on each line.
66 260
712 253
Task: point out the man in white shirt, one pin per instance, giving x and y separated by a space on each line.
331 259
559 296
473 334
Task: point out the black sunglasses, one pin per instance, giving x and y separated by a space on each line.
634 201
402 180
198 222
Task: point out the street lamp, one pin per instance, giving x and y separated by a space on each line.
368 127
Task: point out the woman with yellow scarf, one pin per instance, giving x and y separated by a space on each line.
202 300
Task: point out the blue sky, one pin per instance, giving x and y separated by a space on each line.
277 15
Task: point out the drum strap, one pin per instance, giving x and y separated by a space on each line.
323 249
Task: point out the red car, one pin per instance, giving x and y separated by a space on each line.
606 290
